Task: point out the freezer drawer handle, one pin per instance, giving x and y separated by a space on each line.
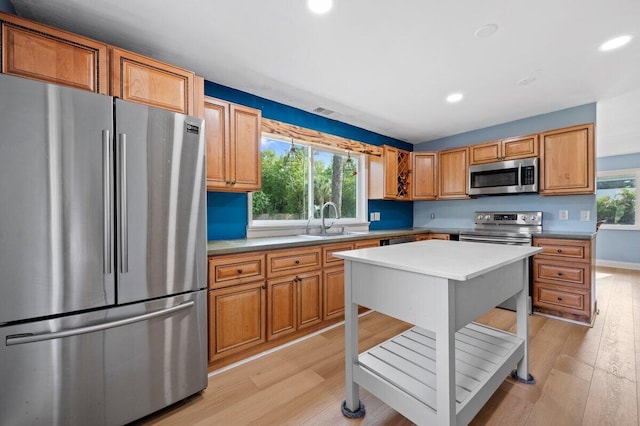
20 339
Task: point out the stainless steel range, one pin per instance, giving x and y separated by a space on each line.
512 227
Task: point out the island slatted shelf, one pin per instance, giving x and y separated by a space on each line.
440 287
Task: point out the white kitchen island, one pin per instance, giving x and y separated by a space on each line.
443 370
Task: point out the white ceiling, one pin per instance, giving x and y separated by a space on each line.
385 66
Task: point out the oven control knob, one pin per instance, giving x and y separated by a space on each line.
533 217
523 217
479 217
487 216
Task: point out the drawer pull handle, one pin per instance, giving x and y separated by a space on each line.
559 299
297 261
559 274
239 270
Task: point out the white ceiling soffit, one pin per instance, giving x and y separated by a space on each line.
381 65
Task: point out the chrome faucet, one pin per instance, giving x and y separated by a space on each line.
324 228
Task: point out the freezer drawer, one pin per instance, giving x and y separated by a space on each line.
126 363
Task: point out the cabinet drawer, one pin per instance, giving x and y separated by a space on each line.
327 253
237 269
366 244
573 301
285 262
561 273
573 250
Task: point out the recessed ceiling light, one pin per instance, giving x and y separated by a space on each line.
615 43
486 31
454 97
319 6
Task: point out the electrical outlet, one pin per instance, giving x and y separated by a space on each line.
563 215
585 215
377 215
372 217
433 216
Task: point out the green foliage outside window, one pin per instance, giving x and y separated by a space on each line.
619 209
285 184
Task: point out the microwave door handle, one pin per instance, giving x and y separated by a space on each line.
519 174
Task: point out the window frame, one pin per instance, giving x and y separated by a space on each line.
617 172
292 227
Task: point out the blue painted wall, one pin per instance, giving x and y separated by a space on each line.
227 212
618 245
459 213
6 6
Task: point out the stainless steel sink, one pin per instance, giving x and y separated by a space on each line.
331 235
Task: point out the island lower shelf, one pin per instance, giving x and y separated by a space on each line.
402 370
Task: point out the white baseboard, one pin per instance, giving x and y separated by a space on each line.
615 264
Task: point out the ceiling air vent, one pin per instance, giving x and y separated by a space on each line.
323 111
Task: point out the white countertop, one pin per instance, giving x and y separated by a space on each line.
455 260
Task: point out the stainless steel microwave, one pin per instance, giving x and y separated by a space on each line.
504 177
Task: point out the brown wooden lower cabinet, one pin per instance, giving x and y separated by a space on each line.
564 282
333 292
293 303
237 317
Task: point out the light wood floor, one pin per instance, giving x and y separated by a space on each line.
585 376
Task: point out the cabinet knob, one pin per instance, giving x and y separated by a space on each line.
297 261
239 270
559 250
297 279
559 274
559 299
264 286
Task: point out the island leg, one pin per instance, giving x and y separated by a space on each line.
445 356
351 407
522 318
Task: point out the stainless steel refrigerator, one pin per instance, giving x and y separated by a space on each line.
102 256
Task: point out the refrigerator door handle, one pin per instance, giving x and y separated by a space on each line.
19 339
106 176
124 231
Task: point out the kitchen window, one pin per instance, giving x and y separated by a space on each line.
298 177
617 199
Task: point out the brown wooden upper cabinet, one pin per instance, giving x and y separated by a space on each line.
425 175
233 146
505 149
568 161
453 173
390 175
44 53
144 80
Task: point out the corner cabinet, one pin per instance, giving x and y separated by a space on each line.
390 175
44 53
505 149
233 146
568 161
453 173
144 80
425 176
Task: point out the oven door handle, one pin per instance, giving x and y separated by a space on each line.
496 240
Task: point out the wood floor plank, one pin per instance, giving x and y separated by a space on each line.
612 401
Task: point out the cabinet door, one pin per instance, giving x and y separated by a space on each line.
281 309
237 317
520 147
144 80
390 158
375 169
216 117
453 172
425 177
567 161
485 152
333 279
309 292
244 152
43 53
